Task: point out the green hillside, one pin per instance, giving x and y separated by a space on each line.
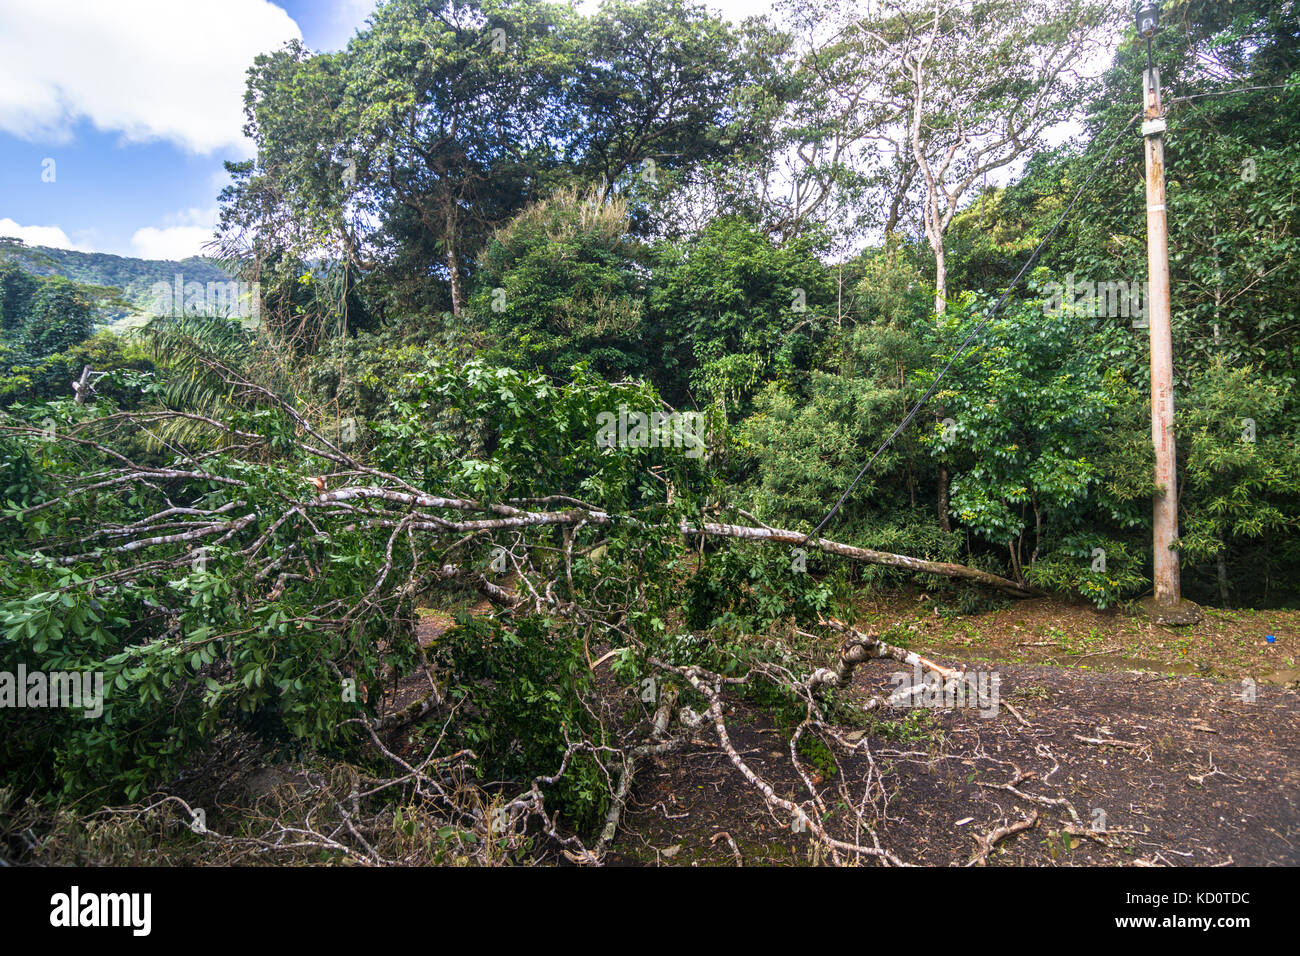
135 277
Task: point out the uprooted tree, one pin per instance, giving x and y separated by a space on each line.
252 571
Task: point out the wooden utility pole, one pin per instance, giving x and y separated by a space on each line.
1168 592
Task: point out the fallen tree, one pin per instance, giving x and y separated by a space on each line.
865 555
267 577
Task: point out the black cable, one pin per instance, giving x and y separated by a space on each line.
973 333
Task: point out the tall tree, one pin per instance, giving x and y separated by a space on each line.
458 107
948 91
444 118
61 316
17 286
656 89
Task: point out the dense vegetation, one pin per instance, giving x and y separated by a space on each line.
50 330
531 216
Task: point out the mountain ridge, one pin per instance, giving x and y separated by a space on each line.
134 276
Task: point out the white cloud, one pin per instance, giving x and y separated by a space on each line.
181 235
176 242
149 69
346 18
738 10
51 236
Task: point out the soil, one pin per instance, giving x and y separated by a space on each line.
1174 747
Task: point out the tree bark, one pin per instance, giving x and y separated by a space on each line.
865 555
453 266
940 276
1223 581
945 524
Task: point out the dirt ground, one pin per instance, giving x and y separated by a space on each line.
1114 742
1170 747
1225 645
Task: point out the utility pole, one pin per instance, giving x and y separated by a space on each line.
1165 524
1168 592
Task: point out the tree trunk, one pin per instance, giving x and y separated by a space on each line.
944 523
864 555
1223 581
453 265
940 277
940 301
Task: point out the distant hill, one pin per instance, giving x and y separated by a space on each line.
135 277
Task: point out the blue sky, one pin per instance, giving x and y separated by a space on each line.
116 115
